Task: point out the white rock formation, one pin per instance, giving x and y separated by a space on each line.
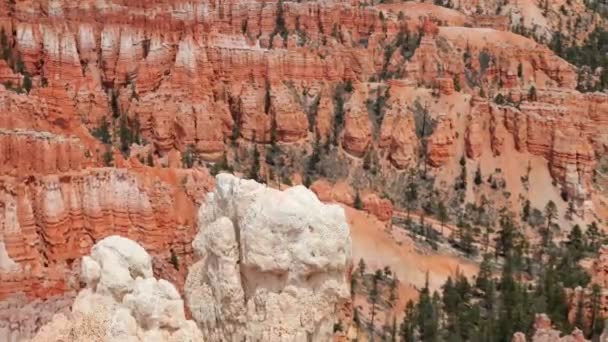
122 301
273 264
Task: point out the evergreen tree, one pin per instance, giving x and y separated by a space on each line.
174 260
254 172
374 296
428 316
407 330
525 212
596 317
457 86
478 178
442 214
575 243
358 203
484 277
520 70
507 235
338 117
103 132
361 267
532 94
411 196
593 237
27 83
550 213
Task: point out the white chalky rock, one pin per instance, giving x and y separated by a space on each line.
273 264
122 301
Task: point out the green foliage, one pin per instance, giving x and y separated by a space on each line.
358 203
128 133
592 54
236 112
189 157
267 98
461 181
525 211
361 267
279 27
103 132
254 172
532 96
484 60
457 86
424 124
444 3
313 160
27 83
407 329
221 165
174 260
348 86
108 157
478 178
376 108
520 70
550 212
442 213
407 42
411 195
339 112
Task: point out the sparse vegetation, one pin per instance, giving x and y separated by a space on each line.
189 157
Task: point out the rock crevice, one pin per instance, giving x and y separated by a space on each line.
272 264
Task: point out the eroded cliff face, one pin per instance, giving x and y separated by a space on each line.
267 269
197 75
111 111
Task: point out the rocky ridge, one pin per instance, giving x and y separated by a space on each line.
265 271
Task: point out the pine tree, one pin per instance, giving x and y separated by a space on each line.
506 236
593 237
407 330
520 70
254 172
338 118
575 243
442 213
27 83
174 260
532 94
525 212
267 98
484 277
411 196
374 296
428 316
457 86
596 318
358 203
550 213
362 267
478 179
108 157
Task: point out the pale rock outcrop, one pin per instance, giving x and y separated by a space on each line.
273 264
122 301
544 332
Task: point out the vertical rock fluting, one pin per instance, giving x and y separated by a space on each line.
273 264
